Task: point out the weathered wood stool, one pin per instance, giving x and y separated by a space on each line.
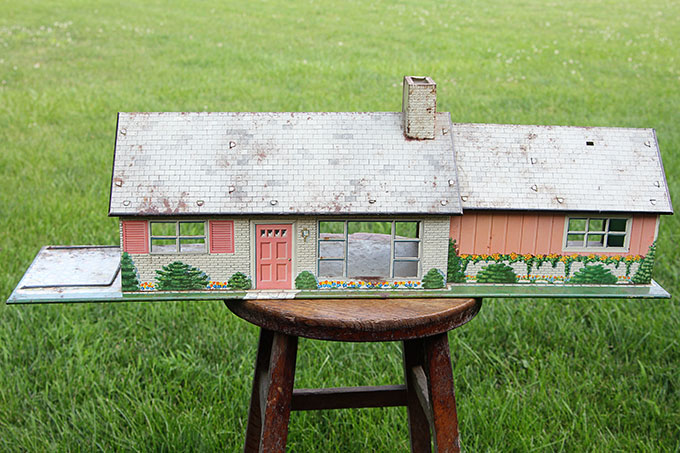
422 324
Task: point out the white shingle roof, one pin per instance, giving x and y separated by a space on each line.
553 168
280 163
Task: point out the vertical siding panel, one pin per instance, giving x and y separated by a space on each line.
635 234
513 236
529 228
454 228
556 245
499 226
467 233
483 233
647 235
543 234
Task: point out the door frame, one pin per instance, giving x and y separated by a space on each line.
253 247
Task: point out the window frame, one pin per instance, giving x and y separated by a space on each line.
605 232
177 237
393 240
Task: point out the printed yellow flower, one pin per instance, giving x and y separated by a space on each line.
496 256
513 256
527 256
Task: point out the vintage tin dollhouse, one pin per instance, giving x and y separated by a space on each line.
365 200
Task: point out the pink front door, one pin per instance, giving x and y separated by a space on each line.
273 266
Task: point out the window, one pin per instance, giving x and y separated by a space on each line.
597 233
178 237
357 249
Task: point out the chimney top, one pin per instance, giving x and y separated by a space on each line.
419 105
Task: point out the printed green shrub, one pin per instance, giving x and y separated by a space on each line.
128 273
643 276
178 276
434 279
454 268
593 275
239 281
497 273
306 280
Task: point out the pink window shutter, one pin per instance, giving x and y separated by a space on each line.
221 236
135 236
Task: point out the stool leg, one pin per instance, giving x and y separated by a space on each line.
279 393
270 401
418 425
441 393
254 427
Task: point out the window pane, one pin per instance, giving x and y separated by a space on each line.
575 240
596 225
332 249
404 269
370 227
406 229
615 240
163 245
369 249
191 229
192 245
332 227
163 229
577 224
330 268
595 240
406 250
617 225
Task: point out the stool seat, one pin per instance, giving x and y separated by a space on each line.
369 319
422 326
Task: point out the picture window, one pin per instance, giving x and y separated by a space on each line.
369 249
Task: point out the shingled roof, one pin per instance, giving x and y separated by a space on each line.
280 163
561 168
363 163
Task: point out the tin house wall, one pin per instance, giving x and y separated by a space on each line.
487 234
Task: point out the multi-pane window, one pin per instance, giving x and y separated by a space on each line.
357 249
178 237
592 233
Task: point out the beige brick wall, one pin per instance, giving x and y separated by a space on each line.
305 251
219 267
435 246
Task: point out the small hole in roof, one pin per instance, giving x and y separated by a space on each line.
589 143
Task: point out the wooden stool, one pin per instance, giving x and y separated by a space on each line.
421 324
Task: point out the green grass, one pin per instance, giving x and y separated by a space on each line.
531 375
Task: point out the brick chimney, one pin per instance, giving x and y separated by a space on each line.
418 106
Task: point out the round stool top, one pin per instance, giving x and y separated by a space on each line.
357 319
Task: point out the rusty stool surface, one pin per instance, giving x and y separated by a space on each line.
421 324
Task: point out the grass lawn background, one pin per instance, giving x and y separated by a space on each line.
537 375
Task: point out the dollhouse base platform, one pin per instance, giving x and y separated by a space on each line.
70 274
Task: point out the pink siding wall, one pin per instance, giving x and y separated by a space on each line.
487 232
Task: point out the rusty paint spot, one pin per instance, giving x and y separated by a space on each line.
118 182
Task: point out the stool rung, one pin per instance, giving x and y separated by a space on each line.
349 397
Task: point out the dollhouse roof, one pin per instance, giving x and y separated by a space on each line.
562 168
362 163
280 163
